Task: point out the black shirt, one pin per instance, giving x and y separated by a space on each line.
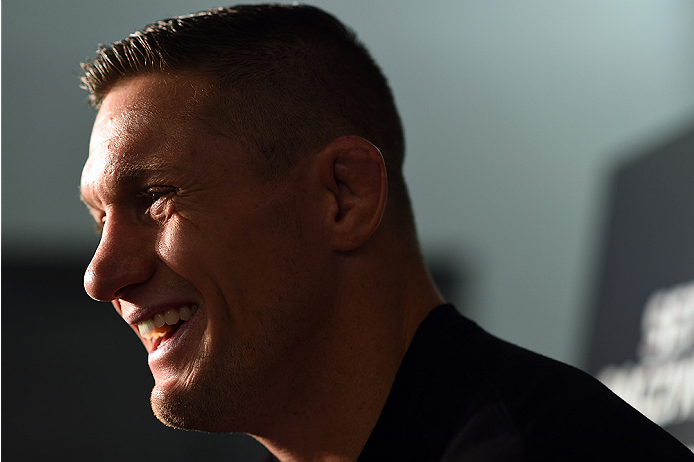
462 394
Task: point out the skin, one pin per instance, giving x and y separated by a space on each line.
306 300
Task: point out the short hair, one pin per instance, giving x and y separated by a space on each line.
287 79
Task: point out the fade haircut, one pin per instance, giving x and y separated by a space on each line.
285 79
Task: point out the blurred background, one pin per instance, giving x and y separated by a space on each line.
523 121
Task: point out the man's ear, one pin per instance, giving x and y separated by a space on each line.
354 174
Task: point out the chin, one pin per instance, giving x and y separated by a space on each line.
206 407
187 413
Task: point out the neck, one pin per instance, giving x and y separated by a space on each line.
330 412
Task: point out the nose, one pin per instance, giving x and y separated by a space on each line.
121 260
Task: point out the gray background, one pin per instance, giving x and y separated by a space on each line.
516 114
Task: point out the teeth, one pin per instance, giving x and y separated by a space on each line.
146 326
185 313
170 317
158 320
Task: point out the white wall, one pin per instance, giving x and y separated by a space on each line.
515 114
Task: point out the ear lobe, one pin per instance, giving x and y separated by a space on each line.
354 173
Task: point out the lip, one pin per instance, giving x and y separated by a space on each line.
137 315
172 348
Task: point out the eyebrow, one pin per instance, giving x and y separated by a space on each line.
130 173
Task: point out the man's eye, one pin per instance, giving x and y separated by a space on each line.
156 204
155 193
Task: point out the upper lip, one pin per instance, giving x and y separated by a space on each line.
133 314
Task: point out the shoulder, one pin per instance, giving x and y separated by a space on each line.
520 405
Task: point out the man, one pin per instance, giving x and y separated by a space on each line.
245 171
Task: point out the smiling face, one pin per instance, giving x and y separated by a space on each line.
190 232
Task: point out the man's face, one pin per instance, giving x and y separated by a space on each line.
190 232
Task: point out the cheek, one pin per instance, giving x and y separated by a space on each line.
186 250
174 245
229 252
257 253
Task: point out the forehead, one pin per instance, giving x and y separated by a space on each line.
144 124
